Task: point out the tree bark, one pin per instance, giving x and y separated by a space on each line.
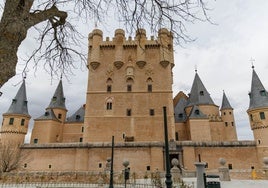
16 21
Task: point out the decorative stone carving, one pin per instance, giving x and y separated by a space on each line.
222 161
110 71
141 64
164 63
118 64
94 65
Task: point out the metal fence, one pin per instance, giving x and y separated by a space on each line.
72 185
81 185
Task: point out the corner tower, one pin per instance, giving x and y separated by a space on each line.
16 119
48 128
129 82
258 110
227 116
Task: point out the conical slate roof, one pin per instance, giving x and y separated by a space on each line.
48 115
225 103
180 115
78 116
58 99
258 95
199 94
196 113
19 103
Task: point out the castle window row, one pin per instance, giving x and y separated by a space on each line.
129 88
11 121
129 82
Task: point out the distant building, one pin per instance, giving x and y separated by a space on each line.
129 82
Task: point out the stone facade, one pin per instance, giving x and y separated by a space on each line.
129 83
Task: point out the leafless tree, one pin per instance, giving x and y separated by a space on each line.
58 37
10 157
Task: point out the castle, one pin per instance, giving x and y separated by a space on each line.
129 83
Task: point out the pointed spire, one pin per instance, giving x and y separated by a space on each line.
199 94
258 95
58 99
225 103
19 103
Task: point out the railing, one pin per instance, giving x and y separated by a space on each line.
72 185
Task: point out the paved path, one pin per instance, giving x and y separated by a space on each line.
238 183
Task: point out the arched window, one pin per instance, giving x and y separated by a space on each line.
149 82
109 104
130 82
109 84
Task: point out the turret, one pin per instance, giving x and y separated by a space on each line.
48 128
200 96
227 116
16 119
258 110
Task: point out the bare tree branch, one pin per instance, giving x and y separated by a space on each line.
59 40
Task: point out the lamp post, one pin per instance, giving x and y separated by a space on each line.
126 171
112 165
168 174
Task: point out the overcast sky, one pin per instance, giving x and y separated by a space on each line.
221 53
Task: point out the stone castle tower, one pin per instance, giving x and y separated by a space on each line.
16 119
258 110
129 82
48 128
198 118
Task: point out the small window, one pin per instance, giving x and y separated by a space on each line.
14 101
11 121
82 129
109 88
148 168
46 113
251 117
224 113
262 115
100 165
22 122
177 136
128 112
59 116
230 113
230 166
25 165
109 106
124 135
80 139
151 112
232 123
149 88
201 93
129 87
25 103
180 115
49 166
197 112
263 93
35 141
77 117
226 124
54 98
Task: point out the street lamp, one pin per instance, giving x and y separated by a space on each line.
112 166
126 171
168 174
